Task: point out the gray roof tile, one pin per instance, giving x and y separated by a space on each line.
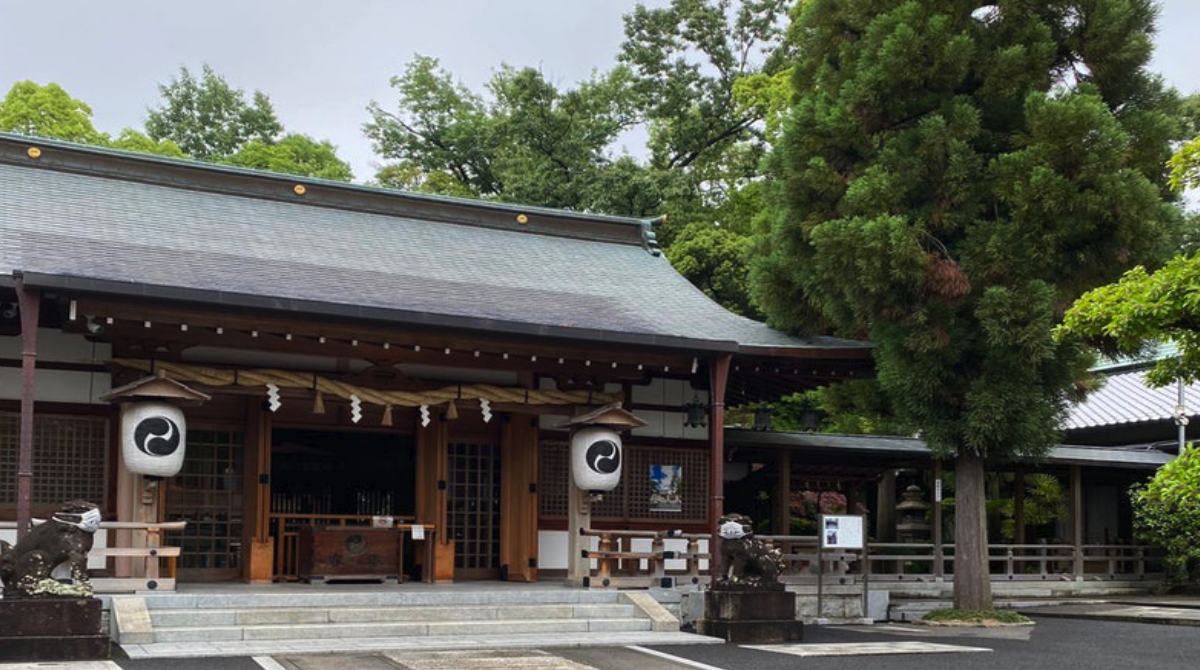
63 223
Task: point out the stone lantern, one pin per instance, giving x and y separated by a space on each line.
911 510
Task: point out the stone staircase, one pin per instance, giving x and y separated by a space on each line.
256 623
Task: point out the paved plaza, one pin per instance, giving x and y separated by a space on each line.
1060 644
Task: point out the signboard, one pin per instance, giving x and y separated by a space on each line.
418 531
666 488
937 490
841 531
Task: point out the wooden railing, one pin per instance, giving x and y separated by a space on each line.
618 564
285 529
147 548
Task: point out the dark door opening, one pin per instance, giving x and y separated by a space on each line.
342 473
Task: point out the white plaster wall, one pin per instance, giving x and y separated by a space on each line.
58 385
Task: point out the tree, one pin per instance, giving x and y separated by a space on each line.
1143 308
208 118
949 178
294 154
133 140
48 111
1166 513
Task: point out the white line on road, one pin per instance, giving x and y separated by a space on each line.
268 663
675 659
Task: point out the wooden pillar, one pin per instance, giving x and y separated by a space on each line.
1077 519
518 498
579 517
258 545
29 303
1019 507
432 473
718 375
885 516
939 559
781 524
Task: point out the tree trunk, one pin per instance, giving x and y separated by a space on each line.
972 583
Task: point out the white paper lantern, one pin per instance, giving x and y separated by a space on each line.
153 438
596 456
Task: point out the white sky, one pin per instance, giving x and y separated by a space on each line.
322 61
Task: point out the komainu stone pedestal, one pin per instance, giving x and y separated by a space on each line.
751 615
51 629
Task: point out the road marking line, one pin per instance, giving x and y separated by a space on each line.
267 662
863 648
675 659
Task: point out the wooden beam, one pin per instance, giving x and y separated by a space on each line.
397 337
134 339
782 523
29 303
1077 519
1019 506
718 375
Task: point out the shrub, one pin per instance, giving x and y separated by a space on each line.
1166 513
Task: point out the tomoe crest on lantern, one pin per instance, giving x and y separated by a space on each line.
153 438
596 455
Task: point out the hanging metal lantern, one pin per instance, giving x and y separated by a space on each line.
695 413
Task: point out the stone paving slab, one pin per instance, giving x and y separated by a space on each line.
365 644
864 648
1172 616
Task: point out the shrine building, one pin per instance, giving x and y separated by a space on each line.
347 356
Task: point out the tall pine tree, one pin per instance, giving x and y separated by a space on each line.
950 178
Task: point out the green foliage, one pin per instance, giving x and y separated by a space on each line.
1045 502
48 111
209 119
133 140
526 140
1143 308
981 617
1185 166
294 154
1166 513
948 180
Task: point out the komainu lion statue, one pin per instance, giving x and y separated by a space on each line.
65 538
750 563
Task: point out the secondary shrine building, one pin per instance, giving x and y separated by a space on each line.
343 356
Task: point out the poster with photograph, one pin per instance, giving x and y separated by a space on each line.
666 488
842 531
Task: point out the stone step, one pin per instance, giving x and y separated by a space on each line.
180 618
331 597
395 629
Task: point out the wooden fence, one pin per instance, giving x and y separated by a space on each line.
617 564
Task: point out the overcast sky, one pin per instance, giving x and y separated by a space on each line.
322 61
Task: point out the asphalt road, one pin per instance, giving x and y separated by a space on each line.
1057 644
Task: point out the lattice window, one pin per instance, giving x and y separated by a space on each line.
553 474
631 499
207 494
70 458
473 504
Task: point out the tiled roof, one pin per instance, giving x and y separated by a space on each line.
1126 399
167 232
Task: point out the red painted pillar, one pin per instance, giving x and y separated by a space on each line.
718 376
29 302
